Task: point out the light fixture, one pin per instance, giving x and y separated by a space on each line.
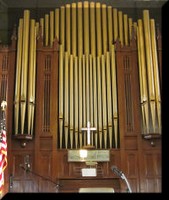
83 153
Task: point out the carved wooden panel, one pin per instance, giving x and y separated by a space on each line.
131 143
21 179
152 164
128 88
151 171
130 169
46 159
45 143
152 185
30 186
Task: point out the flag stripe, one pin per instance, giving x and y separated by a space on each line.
3 158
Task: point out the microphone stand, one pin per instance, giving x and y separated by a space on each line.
128 185
36 174
122 176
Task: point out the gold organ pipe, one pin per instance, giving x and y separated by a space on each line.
80 99
115 24
156 71
135 26
114 95
91 93
103 84
120 18
87 88
98 29
34 80
80 139
109 95
126 36
51 27
37 27
24 67
62 26
92 29
155 59
140 78
76 101
46 30
71 100
143 79
61 98
31 81
86 27
68 28
104 99
80 29
110 27
105 138
42 26
99 97
114 81
18 74
57 23
130 28
140 67
150 71
139 61
146 21
66 99
74 27
104 25
95 99
84 96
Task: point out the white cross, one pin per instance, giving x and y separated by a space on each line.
88 129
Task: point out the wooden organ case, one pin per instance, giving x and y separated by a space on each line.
82 62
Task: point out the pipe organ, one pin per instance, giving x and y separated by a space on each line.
87 71
95 45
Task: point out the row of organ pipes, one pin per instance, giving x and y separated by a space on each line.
87 32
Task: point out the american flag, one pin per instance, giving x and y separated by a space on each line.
3 158
3 147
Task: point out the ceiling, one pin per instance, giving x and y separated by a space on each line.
58 3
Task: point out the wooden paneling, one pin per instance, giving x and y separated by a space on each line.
45 143
150 170
67 186
152 185
131 143
152 164
131 170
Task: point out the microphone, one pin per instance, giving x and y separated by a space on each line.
122 176
117 171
